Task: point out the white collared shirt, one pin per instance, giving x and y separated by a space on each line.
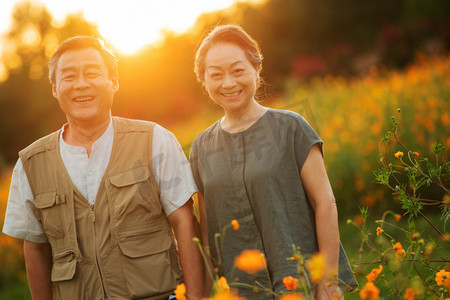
86 172
170 168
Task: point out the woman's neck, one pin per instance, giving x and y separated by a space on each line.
239 121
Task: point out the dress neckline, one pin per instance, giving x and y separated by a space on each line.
245 130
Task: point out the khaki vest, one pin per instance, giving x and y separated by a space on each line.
124 246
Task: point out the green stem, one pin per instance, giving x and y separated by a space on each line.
200 247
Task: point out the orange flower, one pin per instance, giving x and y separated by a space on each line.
294 258
250 261
379 230
290 296
399 252
222 284
224 295
398 247
374 273
370 291
235 224
409 294
399 154
358 220
290 282
397 217
316 267
180 292
443 278
416 154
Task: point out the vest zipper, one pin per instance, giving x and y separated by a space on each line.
92 213
95 250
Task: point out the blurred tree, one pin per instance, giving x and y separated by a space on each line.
28 110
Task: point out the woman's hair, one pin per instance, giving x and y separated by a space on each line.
82 42
230 34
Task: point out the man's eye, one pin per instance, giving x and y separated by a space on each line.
68 77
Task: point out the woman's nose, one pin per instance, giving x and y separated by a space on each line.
228 81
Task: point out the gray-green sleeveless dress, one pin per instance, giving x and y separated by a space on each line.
254 176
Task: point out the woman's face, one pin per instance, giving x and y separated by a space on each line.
230 79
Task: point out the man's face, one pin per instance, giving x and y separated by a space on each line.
83 86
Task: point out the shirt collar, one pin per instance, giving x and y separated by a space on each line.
107 135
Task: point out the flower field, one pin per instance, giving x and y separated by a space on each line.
399 254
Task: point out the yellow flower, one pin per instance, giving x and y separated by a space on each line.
290 282
443 278
379 230
316 267
235 224
399 154
374 273
370 291
222 284
250 261
290 296
180 292
409 294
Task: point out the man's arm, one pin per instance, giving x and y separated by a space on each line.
183 222
38 262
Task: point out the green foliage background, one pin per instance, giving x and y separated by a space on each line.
345 65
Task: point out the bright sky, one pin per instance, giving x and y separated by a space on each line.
117 19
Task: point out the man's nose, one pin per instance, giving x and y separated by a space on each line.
81 81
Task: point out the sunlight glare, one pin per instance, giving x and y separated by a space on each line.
131 24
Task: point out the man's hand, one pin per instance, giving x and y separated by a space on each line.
184 224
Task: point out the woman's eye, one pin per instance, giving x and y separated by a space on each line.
215 75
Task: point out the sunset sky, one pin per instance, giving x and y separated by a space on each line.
116 19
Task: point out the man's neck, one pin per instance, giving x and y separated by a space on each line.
85 134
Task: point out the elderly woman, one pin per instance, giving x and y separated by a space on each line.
263 167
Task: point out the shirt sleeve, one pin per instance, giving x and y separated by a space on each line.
22 217
305 138
171 170
194 161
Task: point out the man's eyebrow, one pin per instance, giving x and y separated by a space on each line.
88 66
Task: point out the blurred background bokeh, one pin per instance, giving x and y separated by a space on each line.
345 65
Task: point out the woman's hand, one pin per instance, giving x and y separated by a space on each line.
325 291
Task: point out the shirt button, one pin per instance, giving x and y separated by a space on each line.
90 173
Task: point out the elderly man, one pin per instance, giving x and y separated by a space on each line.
97 200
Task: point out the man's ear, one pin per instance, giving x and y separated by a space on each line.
54 90
115 83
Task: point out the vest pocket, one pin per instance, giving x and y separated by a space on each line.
146 264
64 267
133 199
68 283
48 204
